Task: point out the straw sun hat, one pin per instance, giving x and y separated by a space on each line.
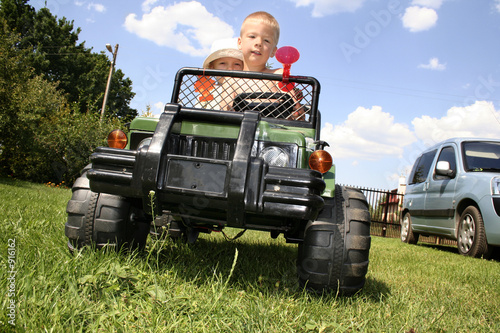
221 49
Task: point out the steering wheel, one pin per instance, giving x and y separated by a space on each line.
268 104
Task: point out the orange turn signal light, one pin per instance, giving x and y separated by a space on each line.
320 160
117 139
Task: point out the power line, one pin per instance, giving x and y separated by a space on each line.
403 88
67 53
414 95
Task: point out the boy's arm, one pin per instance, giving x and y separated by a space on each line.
298 112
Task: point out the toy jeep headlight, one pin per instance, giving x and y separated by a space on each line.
144 143
280 155
275 156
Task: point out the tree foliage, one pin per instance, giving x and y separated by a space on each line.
41 137
54 52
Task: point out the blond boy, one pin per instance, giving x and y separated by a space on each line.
258 41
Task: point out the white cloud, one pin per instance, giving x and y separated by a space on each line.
368 134
477 120
436 4
92 6
418 18
497 5
97 7
158 107
326 7
433 65
185 26
147 5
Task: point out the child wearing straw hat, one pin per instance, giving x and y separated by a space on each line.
227 59
224 56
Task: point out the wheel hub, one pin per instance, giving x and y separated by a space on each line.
466 235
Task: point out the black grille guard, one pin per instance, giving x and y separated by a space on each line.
245 185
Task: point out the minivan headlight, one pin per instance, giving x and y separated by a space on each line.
495 185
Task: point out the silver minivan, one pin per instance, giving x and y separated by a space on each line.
453 191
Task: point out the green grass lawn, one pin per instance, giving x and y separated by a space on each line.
248 285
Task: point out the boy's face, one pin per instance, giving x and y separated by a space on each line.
227 63
257 42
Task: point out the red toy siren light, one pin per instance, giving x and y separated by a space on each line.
287 55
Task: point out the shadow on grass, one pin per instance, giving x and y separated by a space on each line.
443 248
207 258
375 290
450 249
266 267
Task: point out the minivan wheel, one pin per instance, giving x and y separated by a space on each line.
471 240
407 235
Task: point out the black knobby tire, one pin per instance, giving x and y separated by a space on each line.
407 234
77 208
334 255
100 219
471 238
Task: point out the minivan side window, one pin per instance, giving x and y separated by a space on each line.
421 167
447 154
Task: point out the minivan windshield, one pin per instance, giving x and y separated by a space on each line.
481 156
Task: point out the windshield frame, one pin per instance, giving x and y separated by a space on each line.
183 86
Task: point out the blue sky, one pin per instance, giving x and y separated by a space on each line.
396 75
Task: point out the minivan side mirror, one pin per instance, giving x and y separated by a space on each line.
443 169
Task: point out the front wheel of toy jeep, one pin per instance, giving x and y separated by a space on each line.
103 220
334 253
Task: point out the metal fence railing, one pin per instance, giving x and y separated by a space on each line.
385 210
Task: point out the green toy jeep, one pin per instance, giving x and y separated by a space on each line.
232 149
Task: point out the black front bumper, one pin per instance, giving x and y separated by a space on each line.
237 191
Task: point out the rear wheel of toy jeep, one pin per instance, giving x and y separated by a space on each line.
334 253
101 219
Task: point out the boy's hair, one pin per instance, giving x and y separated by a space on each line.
265 18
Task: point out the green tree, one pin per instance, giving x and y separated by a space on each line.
14 74
67 142
91 92
25 99
41 138
18 15
54 51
